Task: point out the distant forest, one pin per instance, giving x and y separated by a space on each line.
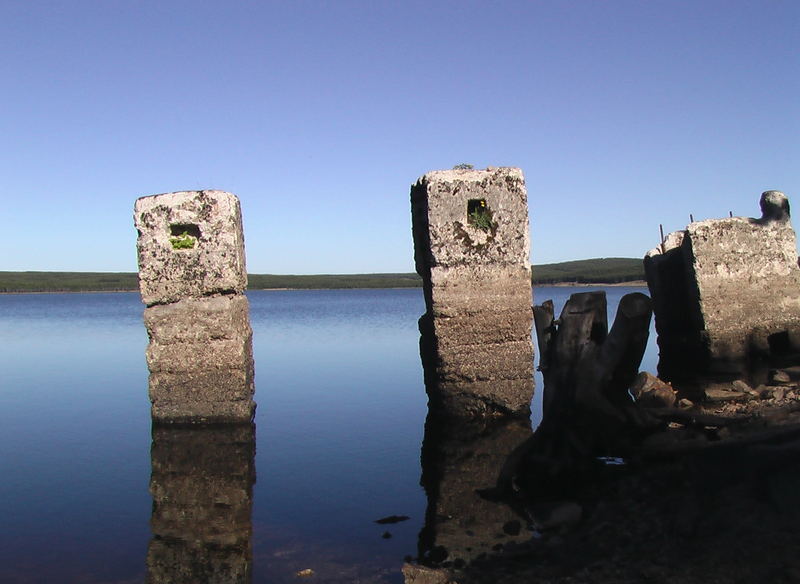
594 271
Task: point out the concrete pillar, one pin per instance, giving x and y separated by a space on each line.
726 293
192 278
202 487
471 247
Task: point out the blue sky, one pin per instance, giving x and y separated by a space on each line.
320 115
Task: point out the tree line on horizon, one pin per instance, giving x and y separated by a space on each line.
591 271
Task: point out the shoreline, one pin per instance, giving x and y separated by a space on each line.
631 284
721 485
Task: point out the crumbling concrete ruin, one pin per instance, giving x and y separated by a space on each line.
471 247
726 294
192 278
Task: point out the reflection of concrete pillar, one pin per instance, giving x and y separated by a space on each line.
458 458
192 278
726 291
472 250
201 483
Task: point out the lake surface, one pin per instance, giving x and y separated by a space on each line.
339 429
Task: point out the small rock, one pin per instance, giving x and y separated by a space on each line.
723 395
775 392
740 385
307 573
414 574
779 377
793 372
685 403
650 391
386 535
391 519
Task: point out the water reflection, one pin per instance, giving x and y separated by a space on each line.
458 459
202 487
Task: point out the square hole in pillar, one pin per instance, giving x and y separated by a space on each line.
478 214
184 235
779 343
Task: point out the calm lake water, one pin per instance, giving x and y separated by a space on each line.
339 427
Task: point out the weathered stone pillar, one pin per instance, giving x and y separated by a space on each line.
726 293
471 247
192 278
202 486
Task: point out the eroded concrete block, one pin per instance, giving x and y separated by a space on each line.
197 320
190 245
471 247
192 277
200 359
726 292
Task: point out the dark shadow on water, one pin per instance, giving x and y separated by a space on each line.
202 487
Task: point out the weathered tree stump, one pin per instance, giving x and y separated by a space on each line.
588 411
590 414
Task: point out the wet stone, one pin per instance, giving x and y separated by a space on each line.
780 377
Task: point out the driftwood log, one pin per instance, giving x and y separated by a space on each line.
588 411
